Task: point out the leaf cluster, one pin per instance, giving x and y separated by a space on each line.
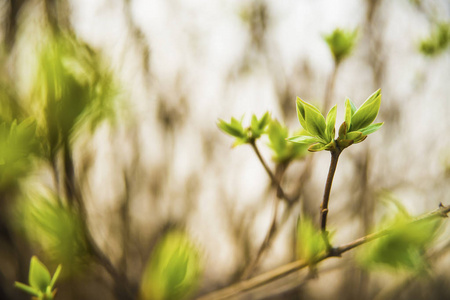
320 132
341 43
40 282
245 135
277 133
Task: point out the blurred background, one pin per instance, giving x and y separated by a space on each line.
112 164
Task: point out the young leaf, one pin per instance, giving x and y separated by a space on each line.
27 289
352 106
301 114
371 128
331 122
231 128
348 113
55 276
304 139
39 276
343 130
354 135
264 121
367 113
315 122
317 147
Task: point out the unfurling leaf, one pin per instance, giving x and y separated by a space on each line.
367 113
39 276
331 122
371 128
312 119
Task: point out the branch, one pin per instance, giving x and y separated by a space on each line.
289 268
326 195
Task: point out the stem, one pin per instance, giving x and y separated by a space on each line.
280 272
326 195
330 87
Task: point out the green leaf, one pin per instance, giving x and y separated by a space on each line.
317 147
258 126
55 276
352 106
348 113
343 130
264 121
331 122
27 289
234 128
304 139
362 138
367 113
371 128
354 135
315 122
39 276
344 143
301 113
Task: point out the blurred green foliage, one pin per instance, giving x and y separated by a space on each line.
18 143
245 135
56 229
310 241
71 90
173 270
404 247
41 284
438 40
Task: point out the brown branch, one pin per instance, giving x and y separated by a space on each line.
326 195
280 272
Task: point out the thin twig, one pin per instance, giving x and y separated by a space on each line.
326 195
330 87
280 193
246 285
